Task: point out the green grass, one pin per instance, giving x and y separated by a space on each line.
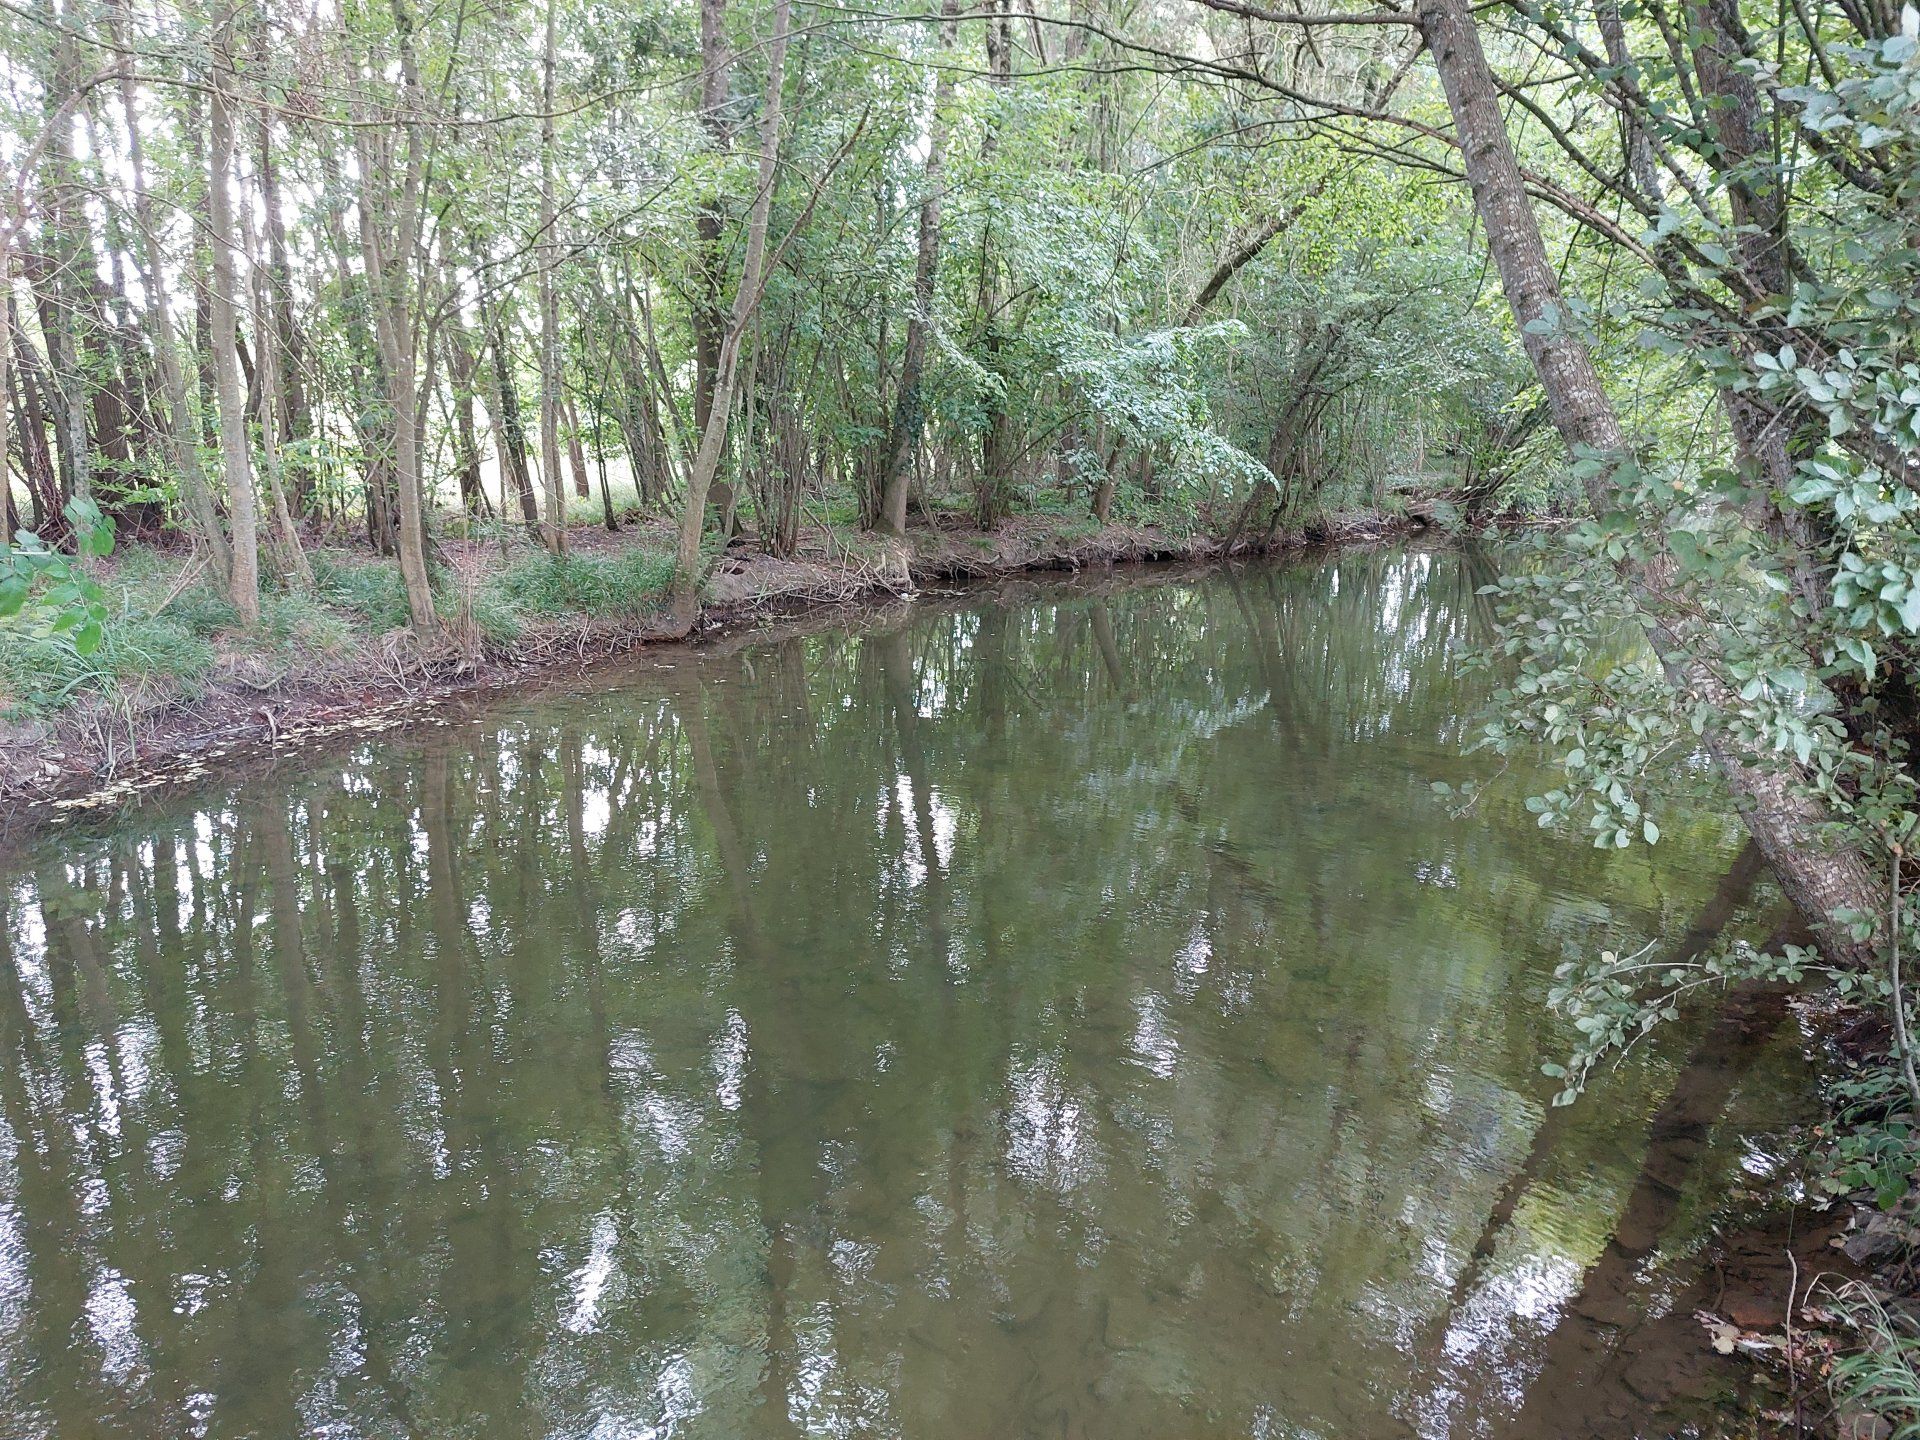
630 582
1882 1377
163 638
368 590
40 671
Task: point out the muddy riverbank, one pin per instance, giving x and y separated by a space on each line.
101 750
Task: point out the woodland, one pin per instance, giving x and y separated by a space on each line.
352 323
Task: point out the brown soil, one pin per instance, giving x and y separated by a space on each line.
97 753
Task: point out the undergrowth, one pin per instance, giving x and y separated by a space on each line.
626 583
167 632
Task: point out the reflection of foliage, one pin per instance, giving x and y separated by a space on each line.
931 951
1806 617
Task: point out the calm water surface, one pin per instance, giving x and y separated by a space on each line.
1065 1013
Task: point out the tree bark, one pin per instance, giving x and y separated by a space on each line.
909 414
462 372
36 460
1825 880
6 395
244 581
389 288
997 447
511 426
753 282
296 416
272 414
180 444
709 316
576 454
555 530
59 275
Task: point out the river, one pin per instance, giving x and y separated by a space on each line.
1066 1010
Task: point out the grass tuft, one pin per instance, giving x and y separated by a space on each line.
1882 1377
631 582
374 592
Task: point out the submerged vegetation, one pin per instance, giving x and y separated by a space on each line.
347 329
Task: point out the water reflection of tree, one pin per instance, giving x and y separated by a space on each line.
1086 994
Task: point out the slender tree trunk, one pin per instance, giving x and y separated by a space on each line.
296 416
198 264
576 453
709 313
6 392
181 445
600 455
272 419
909 414
511 427
59 278
389 285
1642 168
462 371
555 531
997 450
1766 438
244 582
366 364
1109 453
753 278
36 460
1827 882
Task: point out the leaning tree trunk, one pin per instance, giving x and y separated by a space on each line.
753 284
1827 881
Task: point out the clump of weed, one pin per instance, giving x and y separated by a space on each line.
631 582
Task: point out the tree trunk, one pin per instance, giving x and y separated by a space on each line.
753 279
292 556
6 394
36 460
181 445
511 427
244 582
555 530
1826 881
60 275
909 413
997 449
709 316
1109 454
462 370
296 415
390 290
576 454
